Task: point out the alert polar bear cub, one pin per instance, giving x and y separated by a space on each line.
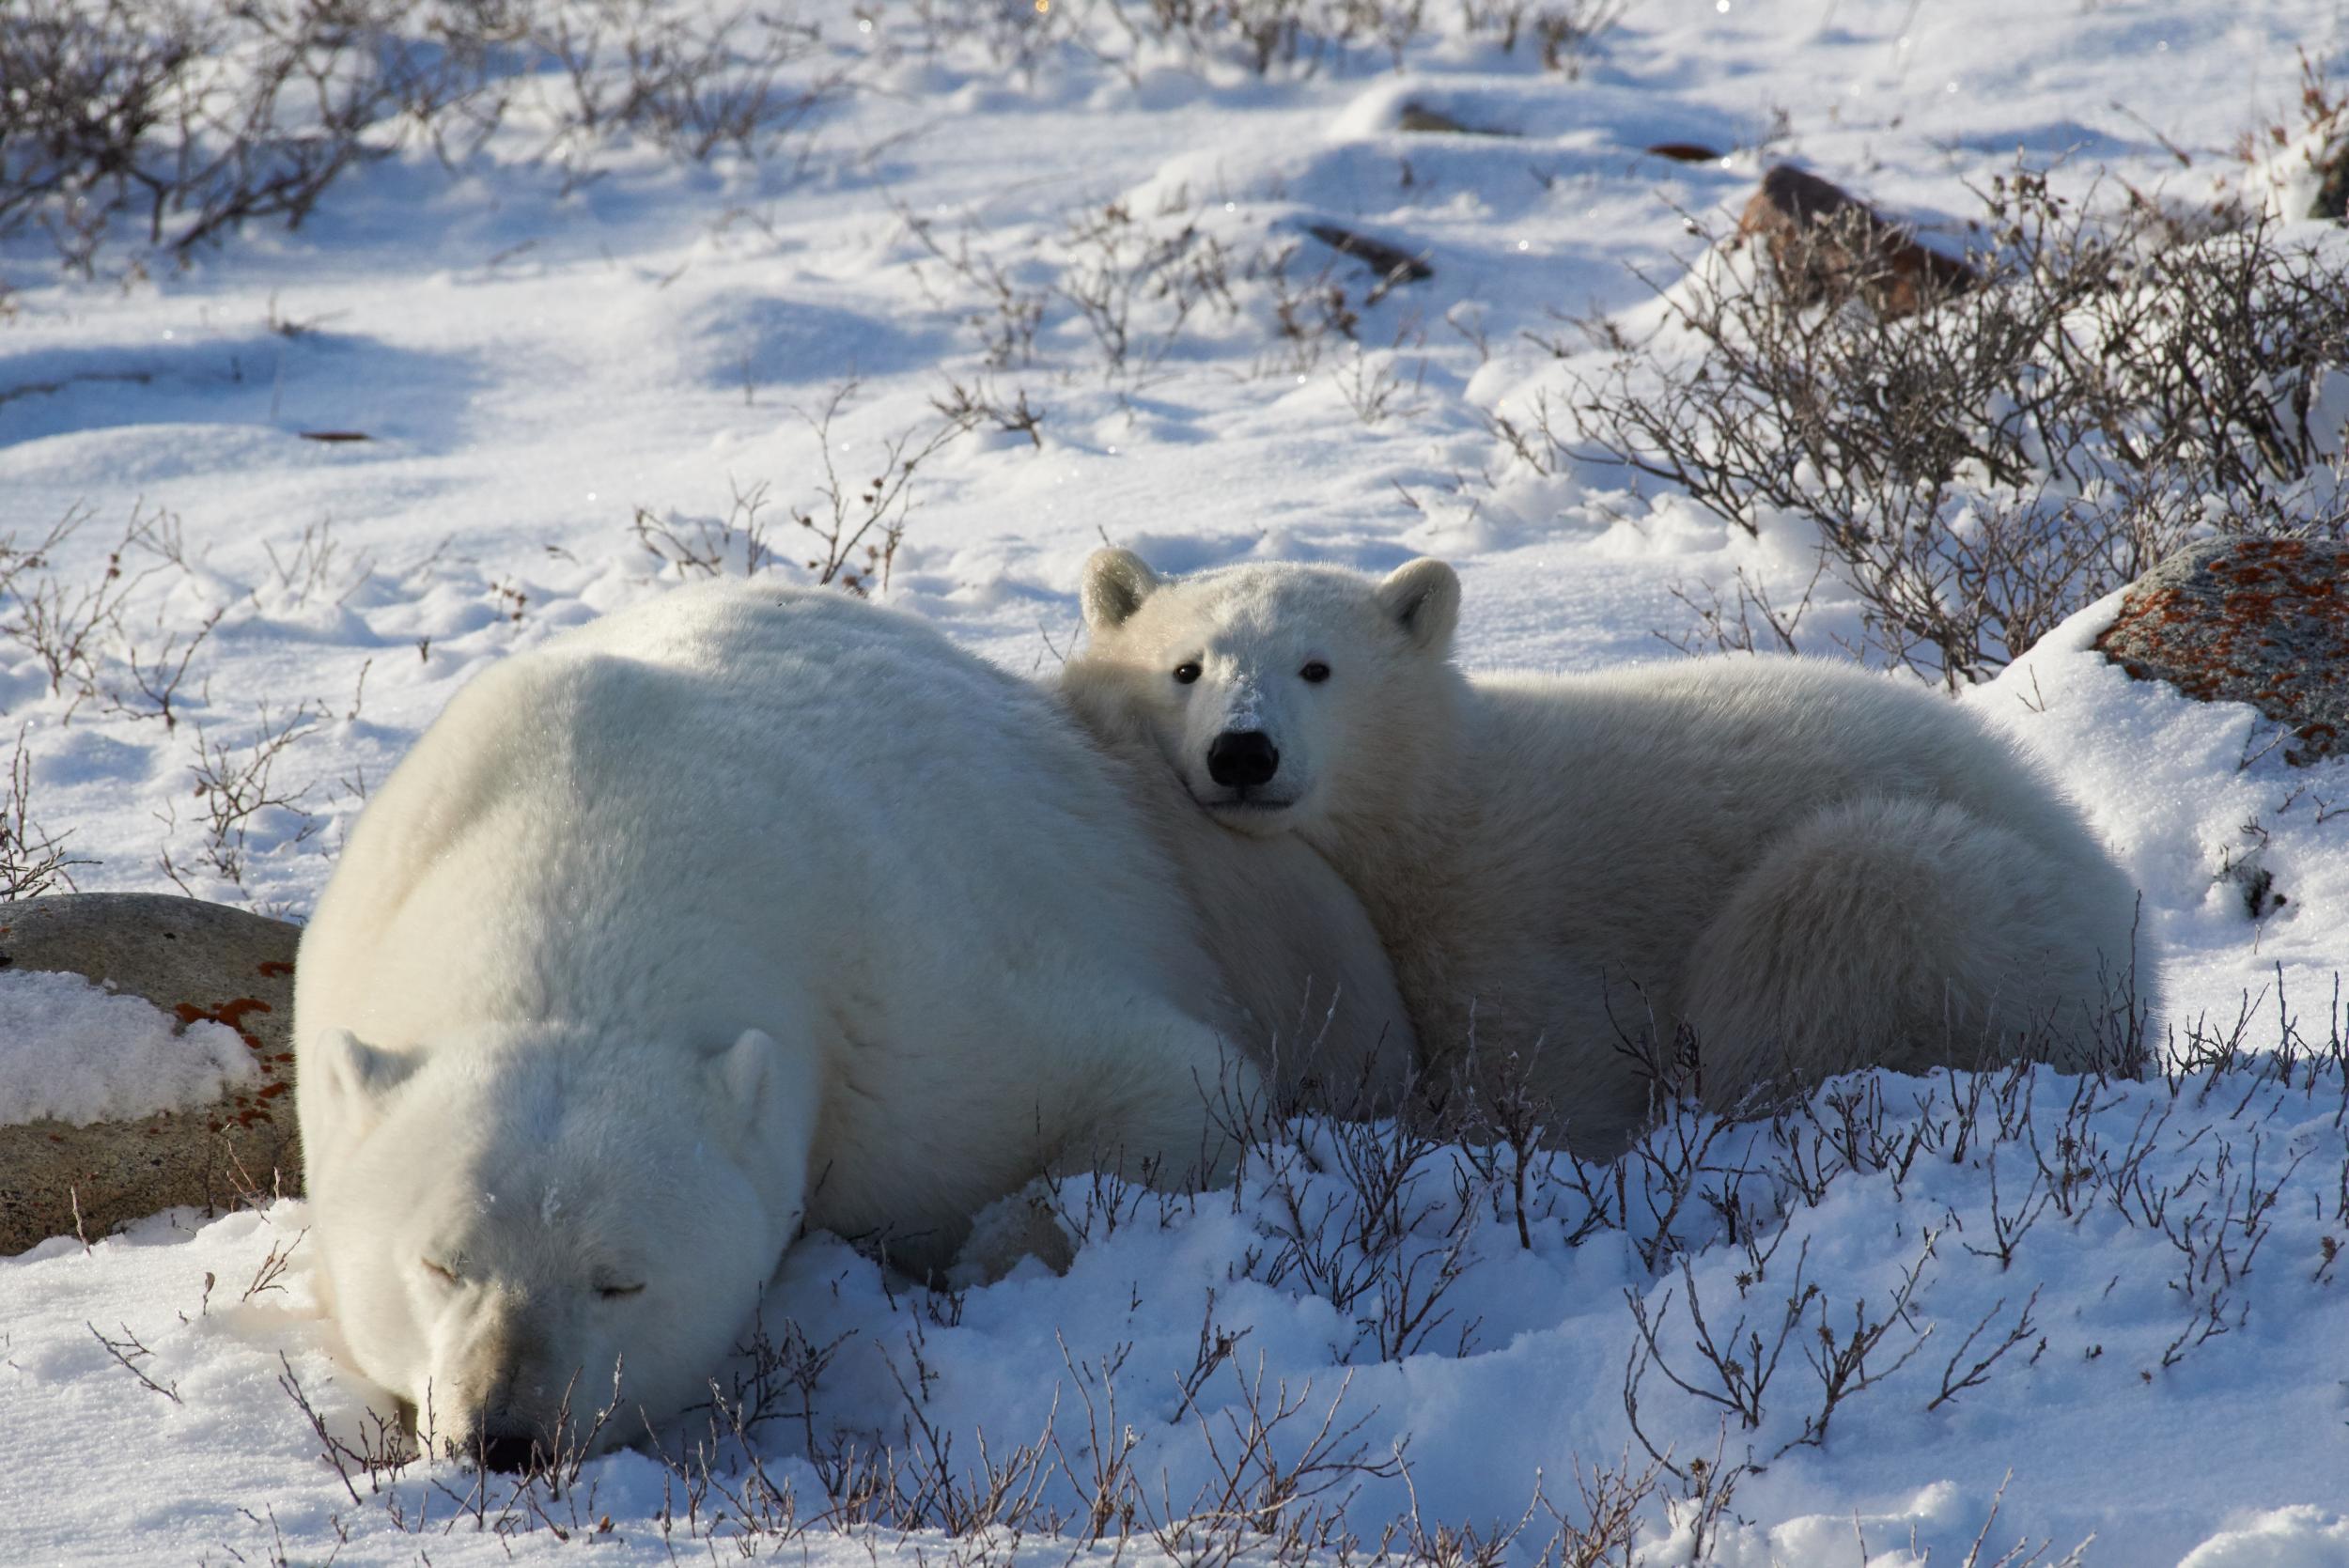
1808 867
744 909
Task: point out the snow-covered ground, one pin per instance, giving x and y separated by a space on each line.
555 375
72 1051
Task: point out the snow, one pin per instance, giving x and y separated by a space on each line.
73 1052
535 358
2280 1538
2182 789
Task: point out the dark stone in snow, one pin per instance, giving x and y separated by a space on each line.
1393 263
1826 244
1425 119
2258 621
193 960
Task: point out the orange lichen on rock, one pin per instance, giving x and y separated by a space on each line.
229 1014
2258 621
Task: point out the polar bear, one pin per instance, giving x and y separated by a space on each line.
1783 868
1312 993
746 910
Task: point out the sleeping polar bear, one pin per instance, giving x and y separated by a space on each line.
746 910
1792 867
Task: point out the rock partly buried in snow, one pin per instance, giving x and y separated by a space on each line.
1425 119
1826 244
203 965
1391 262
2258 621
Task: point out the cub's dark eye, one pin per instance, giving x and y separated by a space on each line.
614 1293
1316 672
1187 671
440 1271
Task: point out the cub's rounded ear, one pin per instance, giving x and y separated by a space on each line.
1115 583
356 1072
1423 597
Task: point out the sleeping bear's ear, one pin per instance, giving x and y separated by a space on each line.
768 1093
356 1072
1117 583
1423 597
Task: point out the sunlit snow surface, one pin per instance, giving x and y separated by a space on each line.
534 365
72 1051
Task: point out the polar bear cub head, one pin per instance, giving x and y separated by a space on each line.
1273 690
523 1232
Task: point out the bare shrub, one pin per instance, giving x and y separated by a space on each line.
1563 33
1132 280
237 795
314 565
32 860
710 546
982 406
855 527
180 123
127 1353
1978 1370
1980 469
188 121
859 526
153 672
1741 1332
1307 311
1732 1369
1135 281
1112 265
80 629
1376 387
65 623
1008 314
2306 137
1371 1219
1266 34
1271 35
692 82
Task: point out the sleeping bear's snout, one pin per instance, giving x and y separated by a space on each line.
507 1394
509 1451
1243 759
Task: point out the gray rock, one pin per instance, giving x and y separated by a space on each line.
2258 621
193 960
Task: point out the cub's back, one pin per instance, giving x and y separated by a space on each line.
1746 745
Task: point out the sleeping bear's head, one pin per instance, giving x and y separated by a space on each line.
518 1219
1276 692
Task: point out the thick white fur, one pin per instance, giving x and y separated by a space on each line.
1811 867
744 909
1314 996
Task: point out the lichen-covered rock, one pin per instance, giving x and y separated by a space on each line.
1826 244
193 960
2258 621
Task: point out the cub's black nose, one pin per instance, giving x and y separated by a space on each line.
1242 759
